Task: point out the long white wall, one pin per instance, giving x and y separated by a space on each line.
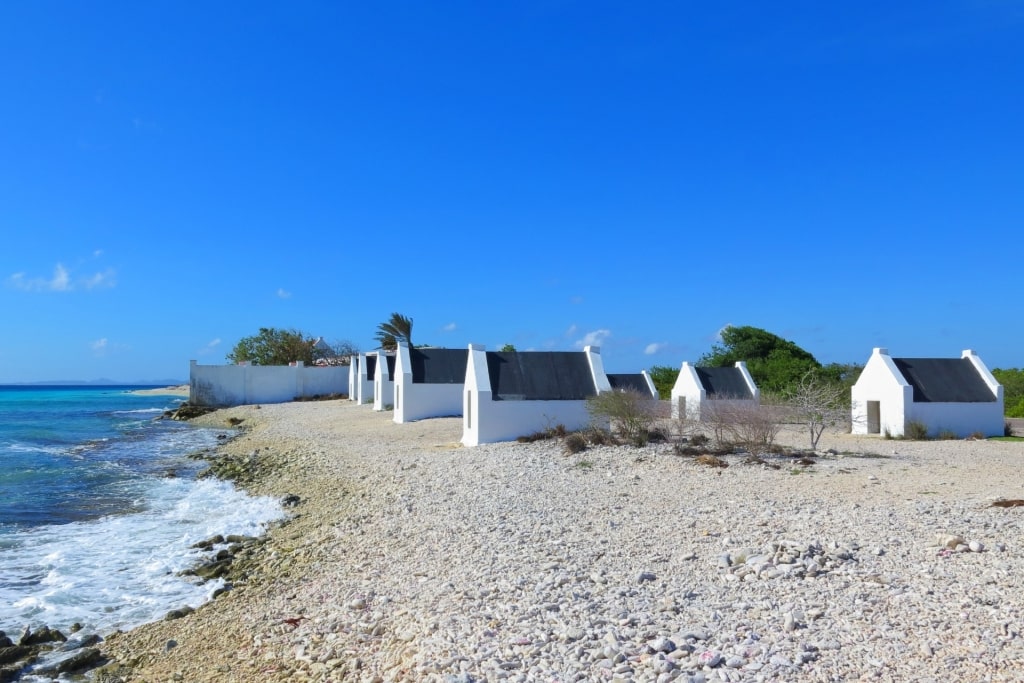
234 385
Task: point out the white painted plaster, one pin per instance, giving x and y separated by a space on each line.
246 384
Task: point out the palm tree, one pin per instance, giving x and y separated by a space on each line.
397 328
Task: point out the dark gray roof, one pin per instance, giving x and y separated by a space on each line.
371 366
438 366
724 383
540 376
944 380
633 382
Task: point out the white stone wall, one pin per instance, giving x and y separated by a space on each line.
245 384
422 401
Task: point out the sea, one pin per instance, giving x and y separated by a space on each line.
100 507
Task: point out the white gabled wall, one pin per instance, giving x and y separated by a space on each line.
476 392
880 381
383 384
421 401
690 390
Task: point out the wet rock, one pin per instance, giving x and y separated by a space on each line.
178 613
41 636
84 658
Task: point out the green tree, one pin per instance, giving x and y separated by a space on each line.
775 364
664 378
508 348
272 346
1013 390
395 329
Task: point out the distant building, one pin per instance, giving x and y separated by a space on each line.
698 388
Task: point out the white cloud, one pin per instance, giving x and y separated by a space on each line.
652 349
576 300
61 281
595 338
723 328
97 253
104 279
99 346
571 331
283 294
210 346
450 327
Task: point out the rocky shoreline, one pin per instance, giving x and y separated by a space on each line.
408 558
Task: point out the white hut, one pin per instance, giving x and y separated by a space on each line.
513 394
428 382
955 395
698 388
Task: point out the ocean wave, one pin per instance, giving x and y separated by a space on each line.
120 571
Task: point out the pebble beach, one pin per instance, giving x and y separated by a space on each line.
406 557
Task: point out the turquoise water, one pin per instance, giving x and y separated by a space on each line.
99 507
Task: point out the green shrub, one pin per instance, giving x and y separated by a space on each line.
916 431
629 413
1007 428
699 439
947 435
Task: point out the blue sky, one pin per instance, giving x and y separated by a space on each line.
176 175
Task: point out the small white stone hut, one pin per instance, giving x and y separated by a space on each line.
429 382
698 388
513 394
953 395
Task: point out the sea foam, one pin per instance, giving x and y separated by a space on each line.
120 571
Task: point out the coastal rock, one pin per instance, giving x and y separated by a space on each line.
41 636
178 613
77 660
15 653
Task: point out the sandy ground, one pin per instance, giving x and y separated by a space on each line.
358 473
180 390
